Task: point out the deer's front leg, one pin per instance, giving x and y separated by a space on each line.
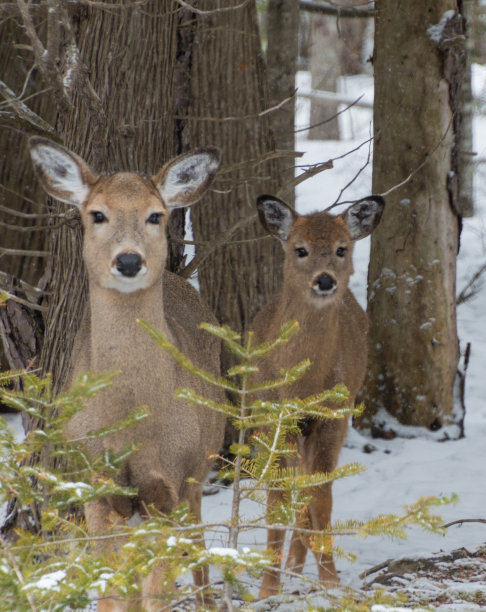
275 541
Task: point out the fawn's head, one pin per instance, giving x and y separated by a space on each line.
124 215
319 246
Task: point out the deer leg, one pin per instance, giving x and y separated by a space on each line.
298 545
275 542
201 577
320 514
100 517
151 590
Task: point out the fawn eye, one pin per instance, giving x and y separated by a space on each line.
98 217
341 251
154 218
301 252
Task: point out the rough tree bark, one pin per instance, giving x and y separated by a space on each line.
228 104
413 344
129 127
21 199
281 61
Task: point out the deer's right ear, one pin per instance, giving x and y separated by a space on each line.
276 216
63 174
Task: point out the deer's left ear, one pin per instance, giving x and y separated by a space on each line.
363 216
184 180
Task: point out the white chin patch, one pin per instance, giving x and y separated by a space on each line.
127 284
324 292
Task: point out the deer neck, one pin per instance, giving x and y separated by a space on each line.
116 338
309 316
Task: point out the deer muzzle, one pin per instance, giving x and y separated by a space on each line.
324 284
129 264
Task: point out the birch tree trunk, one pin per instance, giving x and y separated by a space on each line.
413 344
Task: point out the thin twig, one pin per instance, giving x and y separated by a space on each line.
329 8
363 167
314 125
428 157
220 240
23 253
469 290
9 296
212 12
25 115
6 279
262 113
18 573
460 521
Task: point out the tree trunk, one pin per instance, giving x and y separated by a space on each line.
281 61
132 128
413 345
228 98
325 69
21 198
336 50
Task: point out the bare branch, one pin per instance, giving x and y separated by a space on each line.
24 118
6 283
241 117
363 167
5 295
11 9
22 215
334 9
221 240
314 125
213 12
316 169
460 521
428 157
23 253
471 288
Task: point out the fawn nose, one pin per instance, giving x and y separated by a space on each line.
324 284
129 264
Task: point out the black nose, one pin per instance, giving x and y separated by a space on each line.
129 264
325 282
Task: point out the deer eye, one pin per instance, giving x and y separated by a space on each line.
98 217
301 252
341 251
154 218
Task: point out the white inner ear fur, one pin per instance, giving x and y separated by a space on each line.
279 219
185 177
63 174
360 218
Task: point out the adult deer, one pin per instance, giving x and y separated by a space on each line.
318 263
125 216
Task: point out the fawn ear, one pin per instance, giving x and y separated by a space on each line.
183 180
63 174
276 216
363 216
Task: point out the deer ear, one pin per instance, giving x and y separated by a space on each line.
276 216
184 180
362 217
63 174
